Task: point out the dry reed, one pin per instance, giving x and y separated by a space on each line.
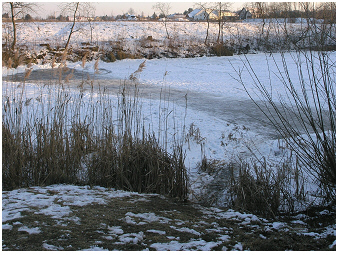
71 140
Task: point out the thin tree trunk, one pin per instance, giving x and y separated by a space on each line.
14 27
166 29
74 22
206 37
219 31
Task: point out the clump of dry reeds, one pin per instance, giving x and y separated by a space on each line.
71 140
255 186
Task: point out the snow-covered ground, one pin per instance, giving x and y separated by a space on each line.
59 220
185 36
57 32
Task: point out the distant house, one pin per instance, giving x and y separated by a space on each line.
177 17
200 14
227 15
191 15
131 17
128 16
244 14
79 18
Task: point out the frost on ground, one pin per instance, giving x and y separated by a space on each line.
67 217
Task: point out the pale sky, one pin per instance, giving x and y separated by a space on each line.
120 7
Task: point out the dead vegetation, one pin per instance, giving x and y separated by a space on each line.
66 146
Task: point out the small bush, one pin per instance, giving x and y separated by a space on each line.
259 193
109 57
221 50
12 59
253 187
139 165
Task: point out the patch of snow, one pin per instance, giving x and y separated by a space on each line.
131 238
187 230
224 238
172 237
30 230
324 212
56 211
312 234
199 245
238 247
160 232
108 237
332 245
129 220
52 247
330 230
262 236
116 230
7 226
278 225
10 215
149 217
298 222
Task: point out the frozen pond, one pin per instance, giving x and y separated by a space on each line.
209 85
178 93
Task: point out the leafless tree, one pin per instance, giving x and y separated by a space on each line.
89 14
76 9
208 9
131 11
66 8
164 9
220 8
19 9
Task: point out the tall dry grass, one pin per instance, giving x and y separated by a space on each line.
89 139
254 186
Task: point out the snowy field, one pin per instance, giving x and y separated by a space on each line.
55 32
204 94
187 38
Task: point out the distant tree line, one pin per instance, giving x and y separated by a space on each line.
292 10
261 10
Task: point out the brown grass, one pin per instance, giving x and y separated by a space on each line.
254 186
62 146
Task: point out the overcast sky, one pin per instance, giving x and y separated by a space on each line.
120 7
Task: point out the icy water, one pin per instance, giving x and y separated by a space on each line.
242 112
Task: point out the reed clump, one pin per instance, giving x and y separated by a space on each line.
256 186
92 139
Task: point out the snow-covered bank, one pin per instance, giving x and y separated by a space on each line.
187 38
67 217
57 32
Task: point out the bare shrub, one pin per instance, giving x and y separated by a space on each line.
256 186
221 50
307 121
